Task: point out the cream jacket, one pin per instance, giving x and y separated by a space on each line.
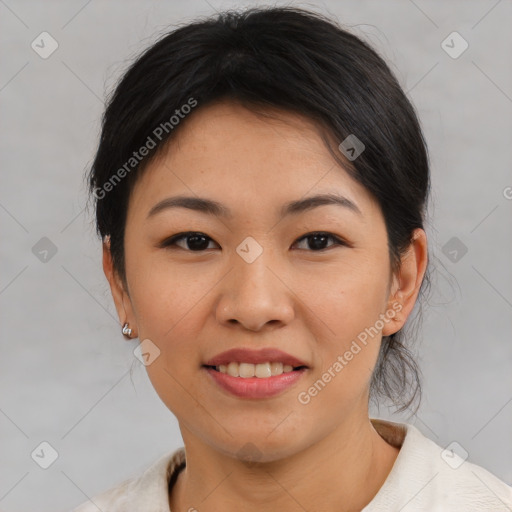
424 477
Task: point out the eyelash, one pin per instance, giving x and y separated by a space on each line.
170 243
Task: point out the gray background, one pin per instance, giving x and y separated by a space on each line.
65 367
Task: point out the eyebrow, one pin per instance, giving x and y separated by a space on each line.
211 207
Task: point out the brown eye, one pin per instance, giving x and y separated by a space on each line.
318 240
194 241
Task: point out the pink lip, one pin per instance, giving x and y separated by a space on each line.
245 355
255 387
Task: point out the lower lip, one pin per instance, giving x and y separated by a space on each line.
255 387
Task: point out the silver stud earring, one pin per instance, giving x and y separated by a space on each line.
126 330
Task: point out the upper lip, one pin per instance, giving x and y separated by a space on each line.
246 355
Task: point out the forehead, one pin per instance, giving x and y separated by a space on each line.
247 160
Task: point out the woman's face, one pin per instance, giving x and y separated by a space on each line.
253 281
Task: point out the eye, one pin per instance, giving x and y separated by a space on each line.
197 242
319 238
194 241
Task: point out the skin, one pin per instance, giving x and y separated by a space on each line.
309 302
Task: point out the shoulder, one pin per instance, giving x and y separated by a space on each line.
426 476
146 492
113 499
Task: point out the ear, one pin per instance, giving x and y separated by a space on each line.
406 285
119 292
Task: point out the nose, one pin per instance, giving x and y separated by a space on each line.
255 295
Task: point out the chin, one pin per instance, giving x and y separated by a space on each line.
257 448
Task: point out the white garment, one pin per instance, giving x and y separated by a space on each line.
424 477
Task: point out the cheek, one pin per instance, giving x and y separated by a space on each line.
169 309
343 311
165 295
347 296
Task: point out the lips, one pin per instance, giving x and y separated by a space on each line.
245 355
255 387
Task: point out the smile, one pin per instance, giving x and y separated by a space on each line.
252 386
261 370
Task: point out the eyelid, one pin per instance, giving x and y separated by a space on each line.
170 241
340 241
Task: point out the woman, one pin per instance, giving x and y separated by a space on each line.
260 185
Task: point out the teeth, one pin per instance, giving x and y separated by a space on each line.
233 370
248 370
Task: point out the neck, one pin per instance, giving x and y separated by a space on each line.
349 466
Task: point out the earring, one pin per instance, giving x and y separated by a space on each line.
126 330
